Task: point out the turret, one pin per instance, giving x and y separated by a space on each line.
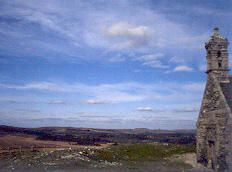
217 56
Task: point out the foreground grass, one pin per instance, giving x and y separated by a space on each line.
141 156
141 152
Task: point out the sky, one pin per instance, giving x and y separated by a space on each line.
106 64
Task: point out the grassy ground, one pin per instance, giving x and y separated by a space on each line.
142 152
122 157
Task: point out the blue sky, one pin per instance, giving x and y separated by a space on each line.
106 64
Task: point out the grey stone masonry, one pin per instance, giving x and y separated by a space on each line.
214 125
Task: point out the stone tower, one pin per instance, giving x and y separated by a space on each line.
214 125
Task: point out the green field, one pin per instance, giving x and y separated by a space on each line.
141 152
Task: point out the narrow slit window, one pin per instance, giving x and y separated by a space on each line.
219 64
219 54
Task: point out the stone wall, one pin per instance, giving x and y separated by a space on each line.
214 128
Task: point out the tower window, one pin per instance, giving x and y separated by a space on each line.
219 54
219 64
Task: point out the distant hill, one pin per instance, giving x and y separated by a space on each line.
91 136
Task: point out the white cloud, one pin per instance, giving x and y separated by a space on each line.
183 68
120 92
150 57
127 30
126 35
145 109
104 122
80 26
156 64
57 102
47 86
94 102
178 59
152 60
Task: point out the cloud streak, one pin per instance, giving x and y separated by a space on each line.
95 102
183 68
91 27
144 109
119 92
105 122
152 60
